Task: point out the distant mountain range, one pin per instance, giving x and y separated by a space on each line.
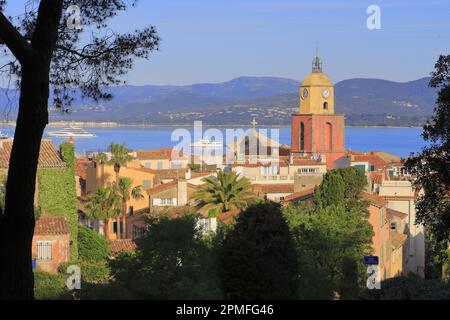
271 100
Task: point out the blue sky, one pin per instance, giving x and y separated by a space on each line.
217 40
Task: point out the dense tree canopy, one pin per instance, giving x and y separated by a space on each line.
431 168
258 260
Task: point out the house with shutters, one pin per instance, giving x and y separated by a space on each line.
51 243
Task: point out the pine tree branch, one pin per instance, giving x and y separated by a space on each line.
14 41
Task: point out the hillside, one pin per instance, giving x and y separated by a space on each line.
272 100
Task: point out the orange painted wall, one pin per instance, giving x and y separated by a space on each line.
315 137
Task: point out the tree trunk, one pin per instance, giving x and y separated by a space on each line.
106 223
124 220
17 224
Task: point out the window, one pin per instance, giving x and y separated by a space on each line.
44 250
394 226
148 165
113 227
160 165
372 167
167 202
147 184
325 106
382 255
302 136
131 210
328 136
308 170
360 167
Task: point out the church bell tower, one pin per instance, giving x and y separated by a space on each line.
316 130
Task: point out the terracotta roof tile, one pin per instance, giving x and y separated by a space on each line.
117 247
51 225
162 187
159 154
300 195
394 213
373 159
374 199
49 156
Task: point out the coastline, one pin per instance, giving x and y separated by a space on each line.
183 125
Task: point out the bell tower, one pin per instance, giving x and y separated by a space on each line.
316 129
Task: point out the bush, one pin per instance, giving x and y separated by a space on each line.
94 271
49 286
409 288
91 271
91 245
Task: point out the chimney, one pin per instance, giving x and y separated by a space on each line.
182 192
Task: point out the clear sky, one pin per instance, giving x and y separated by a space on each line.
217 40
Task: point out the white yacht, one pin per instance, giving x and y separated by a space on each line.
3 136
206 143
71 132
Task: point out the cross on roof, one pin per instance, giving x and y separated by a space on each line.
254 123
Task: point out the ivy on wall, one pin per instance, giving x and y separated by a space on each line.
57 193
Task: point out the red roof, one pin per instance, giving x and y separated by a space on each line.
377 177
51 225
49 156
162 187
121 245
394 213
300 195
159 154
375 160
374 199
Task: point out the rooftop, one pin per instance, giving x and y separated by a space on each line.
51 225
119 246
49 156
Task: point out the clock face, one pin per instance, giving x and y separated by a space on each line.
305 93
326 93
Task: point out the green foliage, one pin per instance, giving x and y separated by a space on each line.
331 191
258 259
195 167
103 204
225 193
57 194
331 242
91 245
409 288
124 190
354 182
173 261
119 155
49 286
94 272
432 166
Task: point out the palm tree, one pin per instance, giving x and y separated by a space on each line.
119 157
103 205
102 159
225 193
125 191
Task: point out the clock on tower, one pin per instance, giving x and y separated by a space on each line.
316 130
